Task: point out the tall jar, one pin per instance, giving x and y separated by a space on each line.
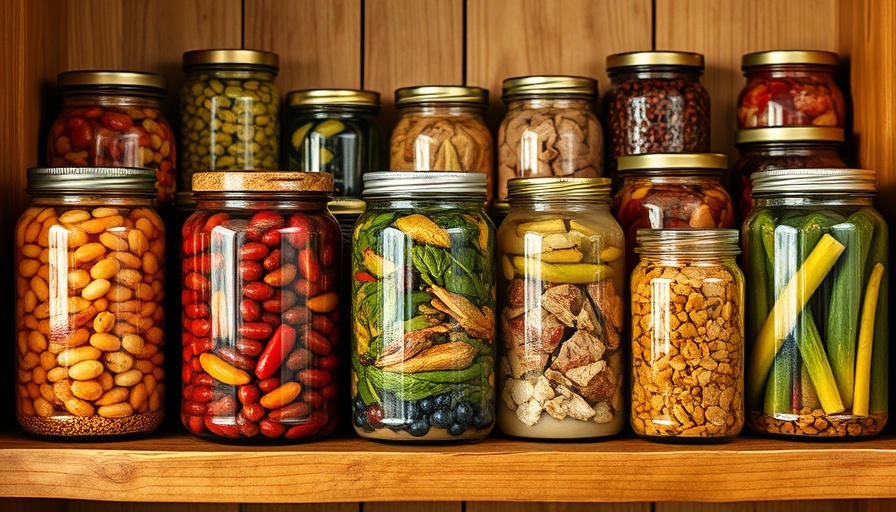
550 129
790 88
816 255
114 119
423 309
333 130
261 294
687 332
781 148
90 316
442 128
671 191
561 311
656 104
229 108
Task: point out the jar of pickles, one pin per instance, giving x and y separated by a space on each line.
782 148
687 332
261 294
423 309
442 128
790 88
333 130
114 119
550 129
816 255
561 311
229 108
674 191
90 316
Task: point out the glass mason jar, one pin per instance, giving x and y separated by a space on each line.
687 331
442 128
423 309
114 119
333 130
656 104
816 256
90 316
562 258
550 129
261 279
790 88
782 148
229 108
671 191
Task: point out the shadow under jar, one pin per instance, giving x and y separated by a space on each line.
261 291
656 104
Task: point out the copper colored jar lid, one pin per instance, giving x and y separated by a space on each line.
661 161
559 85
263 181
660 58
232 58
789 134
441 94
347 97
82 80
786 57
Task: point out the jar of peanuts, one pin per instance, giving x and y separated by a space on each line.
261 300
114 119
687 332
90 260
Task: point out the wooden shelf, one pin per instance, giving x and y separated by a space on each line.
175 467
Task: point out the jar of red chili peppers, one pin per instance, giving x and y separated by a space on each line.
261 304
790 88
114 119
669 191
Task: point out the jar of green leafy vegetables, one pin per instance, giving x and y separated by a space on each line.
815 255
423 308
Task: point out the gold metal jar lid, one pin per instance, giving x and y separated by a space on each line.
94 79
560 85
347 206
349 97
563 186
813 182
232 57
655 58
789 134
79 180
784 57
441 94
658 161
263 181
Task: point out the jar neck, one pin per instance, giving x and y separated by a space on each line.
550 101
790 70
270 200
678 256
672 176
261 74
656 72
92 198
89 99
845 199
791 148
567 204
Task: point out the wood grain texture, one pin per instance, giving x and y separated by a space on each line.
414 506
319 43
724 30
496 506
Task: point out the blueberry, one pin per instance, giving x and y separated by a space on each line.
443 401
427 406
463 413
441 418
457 429
359 403
419 428
483 418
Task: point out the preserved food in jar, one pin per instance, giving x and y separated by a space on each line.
423 308
261 294
90 316
562 280
816 254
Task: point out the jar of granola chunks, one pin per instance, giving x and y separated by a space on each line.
90 315
561 283
687 332
261 295
423 309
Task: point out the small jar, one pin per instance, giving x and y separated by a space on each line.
423 309
114 119
782 148
229 108
656 104
261 294
671 191
561 312
790 88
333 130
816 256
442 128
550 129
687 328
346 211
90 315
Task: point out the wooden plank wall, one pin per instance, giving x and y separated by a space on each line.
385 44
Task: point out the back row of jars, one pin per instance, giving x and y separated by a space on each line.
229 109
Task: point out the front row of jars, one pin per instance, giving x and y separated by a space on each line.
454 326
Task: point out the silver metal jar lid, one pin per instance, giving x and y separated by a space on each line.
812 182
100 180
688 241
430 184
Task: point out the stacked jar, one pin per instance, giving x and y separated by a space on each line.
656 104
114 119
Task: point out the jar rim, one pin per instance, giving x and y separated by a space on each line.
692 161
333 97
263 181
235 57
421 94
570 187
688 241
